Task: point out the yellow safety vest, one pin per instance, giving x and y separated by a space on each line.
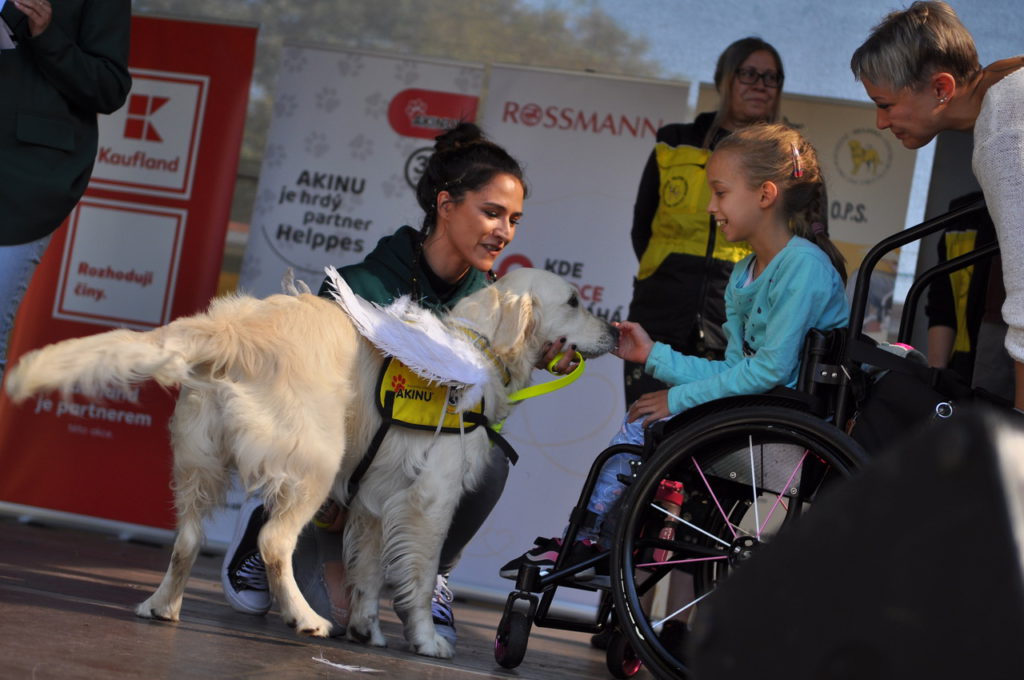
959 243
680 224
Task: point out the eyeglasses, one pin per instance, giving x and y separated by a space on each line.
750 76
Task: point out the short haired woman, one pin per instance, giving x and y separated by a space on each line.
920 67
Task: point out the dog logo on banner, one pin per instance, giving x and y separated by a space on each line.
862 156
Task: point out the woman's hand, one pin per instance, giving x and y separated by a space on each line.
330 517
38 13
634 343
567 364
652 406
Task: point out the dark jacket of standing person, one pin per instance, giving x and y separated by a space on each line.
51 88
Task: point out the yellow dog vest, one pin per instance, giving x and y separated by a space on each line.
420 404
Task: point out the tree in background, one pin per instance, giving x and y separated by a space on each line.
476 31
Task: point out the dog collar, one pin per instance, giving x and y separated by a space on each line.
484 345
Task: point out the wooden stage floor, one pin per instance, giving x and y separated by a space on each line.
66 601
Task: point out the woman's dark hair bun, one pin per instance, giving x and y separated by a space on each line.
463 160
463 134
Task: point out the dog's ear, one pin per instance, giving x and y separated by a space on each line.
515 320
507 319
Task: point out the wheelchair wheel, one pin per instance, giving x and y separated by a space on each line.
511 640
622 661
746 474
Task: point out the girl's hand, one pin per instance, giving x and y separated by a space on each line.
38 13
634 343
652 406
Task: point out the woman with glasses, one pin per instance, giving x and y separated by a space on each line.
678 292
920 66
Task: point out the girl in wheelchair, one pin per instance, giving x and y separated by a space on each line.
767 189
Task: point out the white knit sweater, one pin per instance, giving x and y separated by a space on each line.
999 166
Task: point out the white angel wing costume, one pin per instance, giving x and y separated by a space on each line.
418 338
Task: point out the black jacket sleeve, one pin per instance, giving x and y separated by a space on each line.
940 309
645 206
87 61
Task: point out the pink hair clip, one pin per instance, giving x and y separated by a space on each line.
798 171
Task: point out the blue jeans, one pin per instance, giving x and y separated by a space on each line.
17 264
608 489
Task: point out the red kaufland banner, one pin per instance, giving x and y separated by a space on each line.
143 246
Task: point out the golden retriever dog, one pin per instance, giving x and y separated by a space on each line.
283 389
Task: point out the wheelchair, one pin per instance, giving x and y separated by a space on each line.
737 471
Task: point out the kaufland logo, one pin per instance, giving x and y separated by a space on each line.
149 146
139 123
556 117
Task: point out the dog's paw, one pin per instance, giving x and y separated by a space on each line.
152 610
366 633
438 648
313 626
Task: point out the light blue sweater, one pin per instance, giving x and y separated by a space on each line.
766 322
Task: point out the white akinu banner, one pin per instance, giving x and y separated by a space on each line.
344 152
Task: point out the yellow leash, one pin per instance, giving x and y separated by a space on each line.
550 386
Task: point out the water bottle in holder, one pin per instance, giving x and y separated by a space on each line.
669 498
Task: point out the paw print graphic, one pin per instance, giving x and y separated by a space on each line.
316 144
294 61
469 80
275 155
285 106
398 383
376 106
361 147
406 72
327 100
350 66
264 202
417 107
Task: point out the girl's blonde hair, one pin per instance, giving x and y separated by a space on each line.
773 152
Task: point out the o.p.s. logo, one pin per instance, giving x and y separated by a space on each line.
149 146
863 156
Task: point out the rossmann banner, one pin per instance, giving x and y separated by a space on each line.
349 138
584 140
143 246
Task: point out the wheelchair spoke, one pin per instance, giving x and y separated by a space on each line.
778 499
753 486
656 624
714 497
690 524
690 560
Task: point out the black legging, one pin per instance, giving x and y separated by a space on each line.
473 509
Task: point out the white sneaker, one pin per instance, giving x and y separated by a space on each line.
441 608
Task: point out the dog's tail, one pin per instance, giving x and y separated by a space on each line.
96 365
